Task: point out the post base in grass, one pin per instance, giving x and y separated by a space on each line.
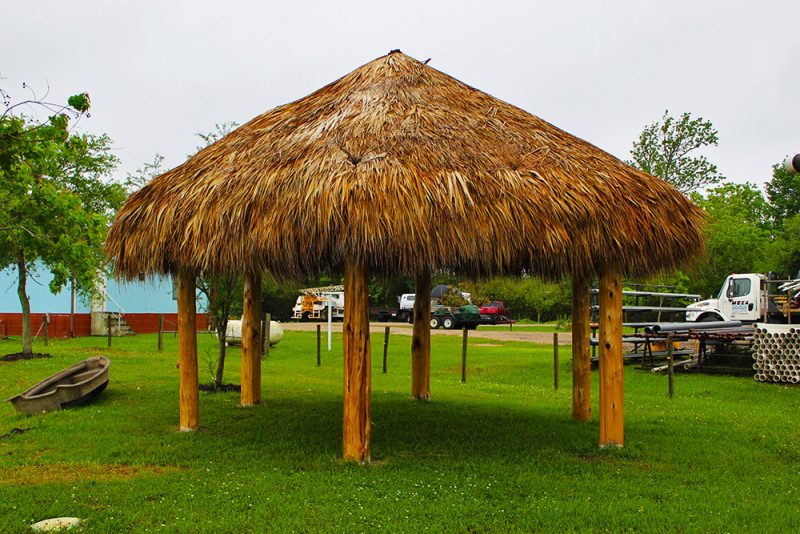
610 446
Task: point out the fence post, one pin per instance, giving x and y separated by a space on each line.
160 332
108 323
319 345
670 368
464 356
555 361
385 347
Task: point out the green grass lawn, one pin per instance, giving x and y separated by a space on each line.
497 454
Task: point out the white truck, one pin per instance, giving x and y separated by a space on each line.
748 298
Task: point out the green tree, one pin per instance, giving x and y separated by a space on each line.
783 192
786 248
738 237
668 149
56 203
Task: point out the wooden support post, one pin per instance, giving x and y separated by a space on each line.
319 345
46 329
421 339
251 341
670 368
611 368
555 361
385 348
464 339
581 351
160 332
187 352
357 365
108 328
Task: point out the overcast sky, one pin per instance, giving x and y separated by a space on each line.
160 72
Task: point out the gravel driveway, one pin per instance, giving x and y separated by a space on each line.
564 338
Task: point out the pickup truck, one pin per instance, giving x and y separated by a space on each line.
494 312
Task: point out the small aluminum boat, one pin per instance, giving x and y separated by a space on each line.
73 386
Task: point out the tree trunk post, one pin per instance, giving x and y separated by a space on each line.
357 365
611 368
187 352
421 339
160 332
581 351
222 331
46 327
108 328
25 303
251 341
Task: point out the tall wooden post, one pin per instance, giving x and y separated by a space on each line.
187 352
581 351
421 339
555 361
611 369
251 341
357 365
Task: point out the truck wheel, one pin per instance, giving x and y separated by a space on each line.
449 323
435 322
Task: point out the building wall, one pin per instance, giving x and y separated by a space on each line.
152 295
140 302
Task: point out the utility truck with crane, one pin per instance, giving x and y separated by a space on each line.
313 303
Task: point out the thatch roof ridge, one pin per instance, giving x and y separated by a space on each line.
403 167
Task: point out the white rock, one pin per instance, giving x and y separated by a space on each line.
56 523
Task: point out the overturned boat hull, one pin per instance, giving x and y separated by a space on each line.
75 385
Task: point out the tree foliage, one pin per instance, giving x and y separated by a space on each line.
738 237
669 149
56 202
783 192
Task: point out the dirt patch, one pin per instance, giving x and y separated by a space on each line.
64 473
224 388
20 356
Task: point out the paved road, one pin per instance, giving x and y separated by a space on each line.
564 338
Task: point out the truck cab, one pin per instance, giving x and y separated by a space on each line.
741 298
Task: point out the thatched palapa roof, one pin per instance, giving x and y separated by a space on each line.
402 168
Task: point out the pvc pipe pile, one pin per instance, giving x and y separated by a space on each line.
776 351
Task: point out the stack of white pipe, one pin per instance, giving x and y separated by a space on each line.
776 351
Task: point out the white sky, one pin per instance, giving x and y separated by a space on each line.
159 72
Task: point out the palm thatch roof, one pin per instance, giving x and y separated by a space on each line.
401 168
